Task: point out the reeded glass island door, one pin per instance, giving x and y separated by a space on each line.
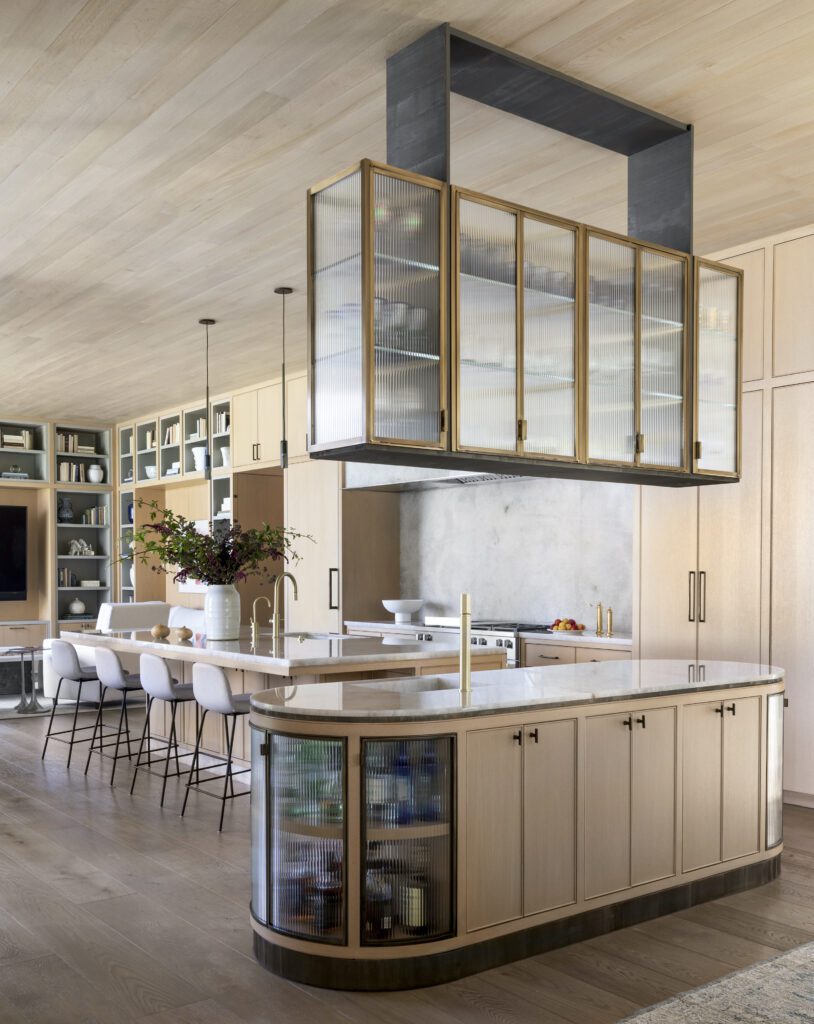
611 350
663 345
549 338
408 383
717 369
487 327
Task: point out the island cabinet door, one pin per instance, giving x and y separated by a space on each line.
494 767
607 803
741 777
701 785
653 796
549 816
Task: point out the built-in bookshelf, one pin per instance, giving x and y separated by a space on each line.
127 455
195 438
170 445
23 452
147 451
83 554
127 577
221 435
222 499
82 455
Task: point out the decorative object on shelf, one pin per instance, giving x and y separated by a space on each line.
77 607
218 559
79 548
130 512
150 472
181 634
90 584
403 609
11 474
226 456
283 290
96 474
133 576
64 509
199 458
160 631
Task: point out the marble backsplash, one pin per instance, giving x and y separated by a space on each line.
524 549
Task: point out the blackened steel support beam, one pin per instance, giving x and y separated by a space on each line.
659 193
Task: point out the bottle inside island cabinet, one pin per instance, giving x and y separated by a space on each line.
407 808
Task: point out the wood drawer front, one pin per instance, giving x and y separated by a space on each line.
77 627
539 655
586 654
22 636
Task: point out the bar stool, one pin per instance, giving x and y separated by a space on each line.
213 693
112 677
65 662
158 684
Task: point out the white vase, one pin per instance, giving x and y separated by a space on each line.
226 456
222 613
199 459
95 474
133 576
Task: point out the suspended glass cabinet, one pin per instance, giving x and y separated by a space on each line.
717 368
378 309
637 347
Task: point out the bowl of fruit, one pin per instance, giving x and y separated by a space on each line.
567 626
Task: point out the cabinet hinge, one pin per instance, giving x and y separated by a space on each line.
522 430
697 449
639 444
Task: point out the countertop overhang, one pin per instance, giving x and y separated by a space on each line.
428 698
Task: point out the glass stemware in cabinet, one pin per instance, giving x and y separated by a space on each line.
717 368
407 841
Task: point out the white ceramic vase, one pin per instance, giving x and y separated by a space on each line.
95 474
222 612
199 459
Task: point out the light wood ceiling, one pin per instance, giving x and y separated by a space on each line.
154 157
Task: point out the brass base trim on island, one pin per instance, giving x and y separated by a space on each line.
383 975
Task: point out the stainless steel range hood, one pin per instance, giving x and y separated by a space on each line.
377 477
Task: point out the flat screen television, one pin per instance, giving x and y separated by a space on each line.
13 548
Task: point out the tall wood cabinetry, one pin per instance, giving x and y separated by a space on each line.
258 427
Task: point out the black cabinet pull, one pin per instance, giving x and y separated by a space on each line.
628 722
641 721
333 605
535 735
719 710
518 737
731 708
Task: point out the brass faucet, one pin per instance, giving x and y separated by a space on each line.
255 623
276 616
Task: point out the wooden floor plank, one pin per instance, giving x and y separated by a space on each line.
712 942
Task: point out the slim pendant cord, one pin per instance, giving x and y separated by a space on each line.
206 323
283 290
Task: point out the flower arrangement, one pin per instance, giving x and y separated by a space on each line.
217 558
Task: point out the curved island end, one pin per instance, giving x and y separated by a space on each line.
405 833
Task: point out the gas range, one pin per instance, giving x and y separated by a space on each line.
498 635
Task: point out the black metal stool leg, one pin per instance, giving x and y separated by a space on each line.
194 769
228 776
119 736
144 733
174 705
51 719
127 728
73 727
96 728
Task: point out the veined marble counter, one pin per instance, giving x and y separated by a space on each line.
290 657
505 690
586 639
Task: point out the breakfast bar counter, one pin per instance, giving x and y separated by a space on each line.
406 832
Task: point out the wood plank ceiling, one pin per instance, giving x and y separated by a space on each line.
154 158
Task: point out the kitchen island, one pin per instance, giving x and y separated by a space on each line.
407 833
298 658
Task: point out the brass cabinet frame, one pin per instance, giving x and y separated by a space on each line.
735 272
521 215
689 291
367 170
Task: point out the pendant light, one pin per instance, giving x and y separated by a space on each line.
283 290
206 323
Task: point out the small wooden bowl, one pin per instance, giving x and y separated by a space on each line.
160 632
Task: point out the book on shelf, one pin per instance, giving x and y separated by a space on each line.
18 438
95 516
172 434
72 444
13 476
72 473
221 422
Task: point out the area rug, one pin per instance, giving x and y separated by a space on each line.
778 991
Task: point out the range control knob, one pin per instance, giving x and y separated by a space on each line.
509 643
482 641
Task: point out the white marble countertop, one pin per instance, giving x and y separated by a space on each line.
586 639
505 690
290 656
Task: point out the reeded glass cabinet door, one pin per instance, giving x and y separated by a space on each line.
611 350
407 821
487 327
549 338
408 371
717 341
307 842
336 312
663 332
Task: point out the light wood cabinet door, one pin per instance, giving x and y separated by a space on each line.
753 266
494 765
539 655
589 654
669 573
653 796
793 306
729 553
741 775
549 816
296 417
607 804
701 804
269 423
25 635
244 429
312 507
